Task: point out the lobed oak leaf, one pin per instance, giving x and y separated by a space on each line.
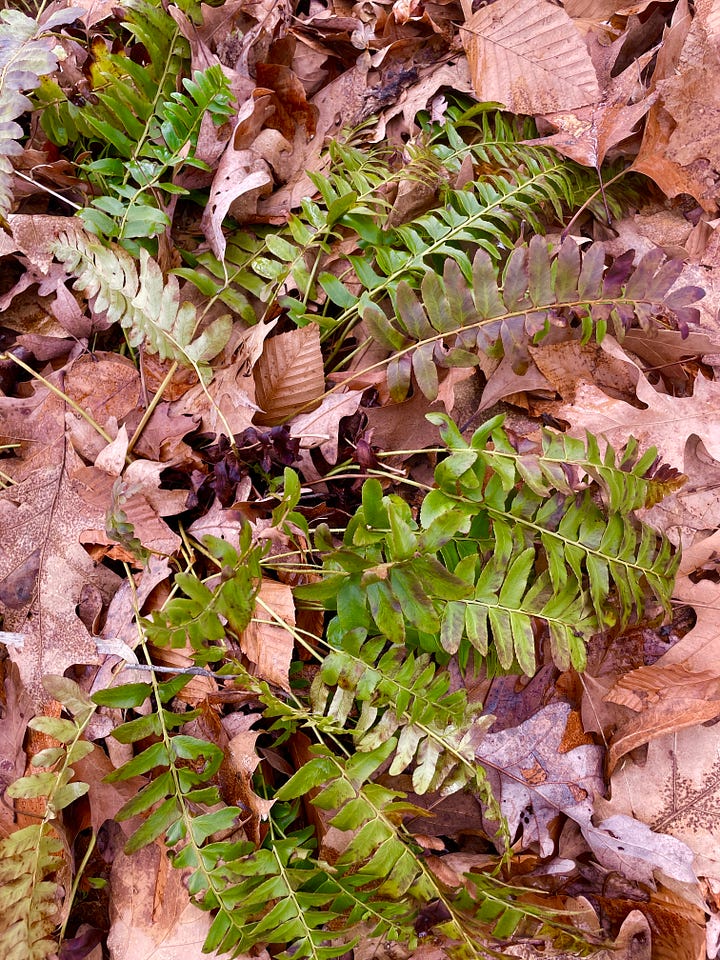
666 422
677 791
41 521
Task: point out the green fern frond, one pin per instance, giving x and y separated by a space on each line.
352 202
146 127
30 894
405 697
145 304
506 540
458 317
26 54
203 617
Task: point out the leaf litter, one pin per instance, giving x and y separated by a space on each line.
117 462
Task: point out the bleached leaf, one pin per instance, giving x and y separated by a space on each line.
528 56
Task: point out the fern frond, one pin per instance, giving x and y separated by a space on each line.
30 899
30 894
401 696
145 304
505 541
352 202
203 617
26 54
146 127
457 317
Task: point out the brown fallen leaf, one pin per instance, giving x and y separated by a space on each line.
226 405
242 172
588 133
266 643
677 791
536 778
18 709
289 376
151 916
534 781
666 422
44 570
666 698
528 56
319 429
680 149
242 761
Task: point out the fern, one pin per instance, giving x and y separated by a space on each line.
30 858
148 128
505 540
455 319
352 204
146 305
26 54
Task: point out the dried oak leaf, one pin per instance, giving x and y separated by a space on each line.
676 790
534 781
588 132
44 570
666 422
536 778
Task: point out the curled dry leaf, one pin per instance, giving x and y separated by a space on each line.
266 642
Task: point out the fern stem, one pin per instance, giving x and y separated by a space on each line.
41 186
151 407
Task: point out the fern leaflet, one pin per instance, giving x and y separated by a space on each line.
146 305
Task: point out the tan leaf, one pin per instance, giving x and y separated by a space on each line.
320 428
44 570
289 376
151 916
265 642
528 56
535 780
227 405
242 761
666 423
676 790
666 698
241 173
